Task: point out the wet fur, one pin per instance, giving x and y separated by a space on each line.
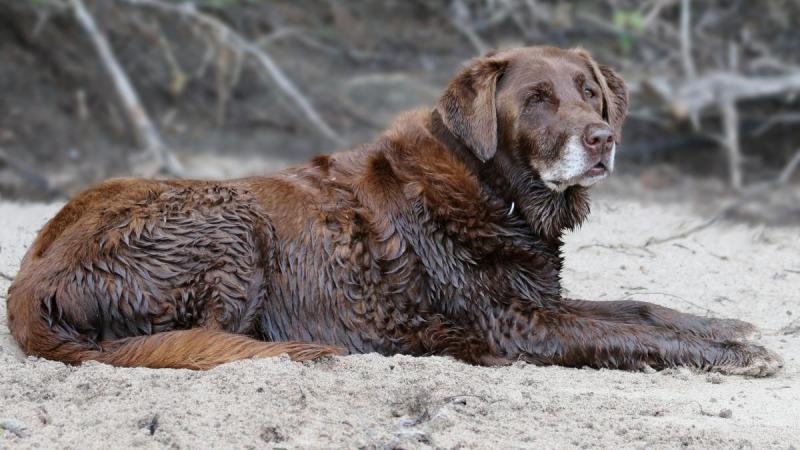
406 245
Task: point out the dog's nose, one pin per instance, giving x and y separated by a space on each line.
598 139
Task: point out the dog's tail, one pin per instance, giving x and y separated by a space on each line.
50 336
200 349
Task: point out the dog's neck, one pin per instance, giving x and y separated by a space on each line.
549 213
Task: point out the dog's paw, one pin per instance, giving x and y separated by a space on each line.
732 329
750 360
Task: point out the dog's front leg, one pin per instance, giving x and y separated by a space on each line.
643 313
554 338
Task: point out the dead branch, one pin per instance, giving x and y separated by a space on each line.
146 133
722 90
237 42
710 89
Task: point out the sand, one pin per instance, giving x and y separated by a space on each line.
729 270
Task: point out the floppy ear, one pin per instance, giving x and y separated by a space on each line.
467 106
616 97
615 93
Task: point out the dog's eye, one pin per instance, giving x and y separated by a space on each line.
535 98
588 92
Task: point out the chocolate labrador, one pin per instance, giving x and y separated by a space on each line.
443 237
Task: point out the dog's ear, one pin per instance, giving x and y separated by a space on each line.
616 99
615 93
467 106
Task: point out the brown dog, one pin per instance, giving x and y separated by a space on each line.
441 238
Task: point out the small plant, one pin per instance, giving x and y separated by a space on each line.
629 22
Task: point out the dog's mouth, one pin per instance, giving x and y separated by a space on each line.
597 170
575 167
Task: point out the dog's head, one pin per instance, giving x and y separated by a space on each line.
555 110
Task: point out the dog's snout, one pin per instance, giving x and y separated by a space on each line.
598 139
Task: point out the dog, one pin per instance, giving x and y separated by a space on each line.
442 237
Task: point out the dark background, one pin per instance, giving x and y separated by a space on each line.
359 63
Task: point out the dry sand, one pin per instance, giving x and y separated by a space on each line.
372 401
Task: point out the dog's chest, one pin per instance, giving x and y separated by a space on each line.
469 270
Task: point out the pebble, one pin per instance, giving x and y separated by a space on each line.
714 378
15 426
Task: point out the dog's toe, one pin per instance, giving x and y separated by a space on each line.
757 362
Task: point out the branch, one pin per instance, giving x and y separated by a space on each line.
788 171
145 131
235 41
730 125
686 40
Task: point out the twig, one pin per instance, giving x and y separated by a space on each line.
179 78
231 38
5 276
459 19
621 248
788 171
724 210
666 294
145 131
655 11
792 327
783 118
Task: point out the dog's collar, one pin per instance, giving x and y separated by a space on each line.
492 183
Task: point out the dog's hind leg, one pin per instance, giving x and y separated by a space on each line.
176 280
643 313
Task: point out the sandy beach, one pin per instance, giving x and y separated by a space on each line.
727 270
